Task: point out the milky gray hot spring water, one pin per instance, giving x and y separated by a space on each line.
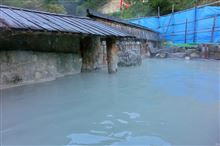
163 102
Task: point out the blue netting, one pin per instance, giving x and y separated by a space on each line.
172 27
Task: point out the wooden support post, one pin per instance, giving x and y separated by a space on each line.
112 57
89 47
186 27
213 30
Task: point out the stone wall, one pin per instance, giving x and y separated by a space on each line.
206 51
23 67
36 57
214 51
131 52
90 51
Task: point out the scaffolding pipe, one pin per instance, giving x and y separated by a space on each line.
195 23
209 4
186 31
213 30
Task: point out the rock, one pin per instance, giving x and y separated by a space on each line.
38 76
194 55
190 51
179 49
217 55
212 48
11 78
161 55
187 58
178 55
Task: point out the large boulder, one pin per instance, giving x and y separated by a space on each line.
177 55
161 55
129 58
195 55
190 51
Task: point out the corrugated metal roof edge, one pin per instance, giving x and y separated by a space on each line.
43 12
24 31
92 14
63 15
63 32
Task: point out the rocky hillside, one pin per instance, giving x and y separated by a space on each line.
110 7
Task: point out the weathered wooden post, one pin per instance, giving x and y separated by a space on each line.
89 49
112 57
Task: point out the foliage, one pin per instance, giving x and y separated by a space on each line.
46 5
139 8
32 4
55 8
166 5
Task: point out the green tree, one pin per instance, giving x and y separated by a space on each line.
45 5
139 8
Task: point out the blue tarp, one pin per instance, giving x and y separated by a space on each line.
172 27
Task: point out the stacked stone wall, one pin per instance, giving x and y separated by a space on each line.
23 67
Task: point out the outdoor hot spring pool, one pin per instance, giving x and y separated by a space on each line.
163 102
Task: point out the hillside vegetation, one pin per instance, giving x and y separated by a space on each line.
46 5
138 8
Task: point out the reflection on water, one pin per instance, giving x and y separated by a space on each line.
117 138
142 140
83 139
132 115
163 102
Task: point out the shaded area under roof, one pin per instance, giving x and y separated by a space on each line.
24 19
